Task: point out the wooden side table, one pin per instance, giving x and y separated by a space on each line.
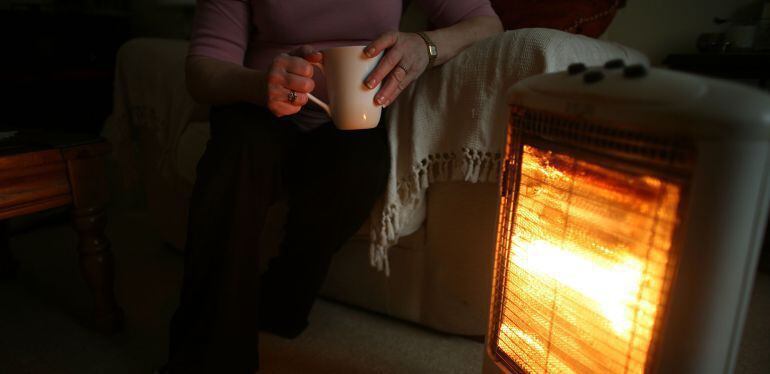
36 178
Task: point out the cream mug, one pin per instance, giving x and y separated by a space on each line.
351 104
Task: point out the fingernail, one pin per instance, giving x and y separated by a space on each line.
369 51
379 100
371 83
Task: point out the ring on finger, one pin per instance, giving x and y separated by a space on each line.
292 96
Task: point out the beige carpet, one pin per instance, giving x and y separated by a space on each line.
41 316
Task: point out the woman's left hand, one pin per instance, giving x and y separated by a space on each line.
404 60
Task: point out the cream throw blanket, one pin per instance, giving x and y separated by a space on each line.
450 124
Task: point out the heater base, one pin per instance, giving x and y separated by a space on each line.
489 366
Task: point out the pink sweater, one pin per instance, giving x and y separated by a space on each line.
253 32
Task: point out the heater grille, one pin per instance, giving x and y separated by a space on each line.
666 152
585 247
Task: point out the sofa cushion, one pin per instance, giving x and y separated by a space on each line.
587 17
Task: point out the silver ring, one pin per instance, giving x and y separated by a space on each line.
402 68
292 96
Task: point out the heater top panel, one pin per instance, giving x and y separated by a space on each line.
652 100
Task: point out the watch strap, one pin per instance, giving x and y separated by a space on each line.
432 50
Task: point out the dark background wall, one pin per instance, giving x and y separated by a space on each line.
58 56
164 18
661 27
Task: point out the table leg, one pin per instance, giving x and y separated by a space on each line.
97 266
85 166
8 264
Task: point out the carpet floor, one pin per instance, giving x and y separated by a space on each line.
43 313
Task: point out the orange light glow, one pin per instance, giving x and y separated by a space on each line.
588 259
611 288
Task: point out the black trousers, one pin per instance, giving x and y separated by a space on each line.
332 178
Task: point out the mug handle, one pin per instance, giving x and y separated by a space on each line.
316 100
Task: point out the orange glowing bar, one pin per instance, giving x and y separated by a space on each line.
588 262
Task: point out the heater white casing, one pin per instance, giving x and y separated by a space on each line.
728 195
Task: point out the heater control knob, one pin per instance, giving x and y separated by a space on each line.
593 76
635 71
576 68
615 64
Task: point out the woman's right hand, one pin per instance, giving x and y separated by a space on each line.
292 72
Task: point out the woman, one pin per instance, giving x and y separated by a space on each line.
251 60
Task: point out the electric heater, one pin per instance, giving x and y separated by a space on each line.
632 209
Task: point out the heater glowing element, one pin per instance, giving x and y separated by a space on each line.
587 265
611 288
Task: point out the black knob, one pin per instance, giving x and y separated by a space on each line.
615 64
635 71
576 68
593 76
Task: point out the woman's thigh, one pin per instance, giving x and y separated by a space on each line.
239 176
246 125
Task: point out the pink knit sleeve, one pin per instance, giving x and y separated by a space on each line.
443 13
221 30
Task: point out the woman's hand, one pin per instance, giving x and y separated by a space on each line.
290 79
405 59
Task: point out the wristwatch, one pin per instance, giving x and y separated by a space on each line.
432 50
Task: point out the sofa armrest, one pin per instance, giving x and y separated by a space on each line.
151 111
